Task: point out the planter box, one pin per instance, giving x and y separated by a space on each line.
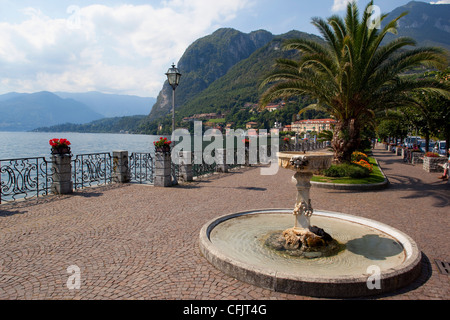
417 157
432 164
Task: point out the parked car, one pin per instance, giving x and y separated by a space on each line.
411 141
422 144
440 147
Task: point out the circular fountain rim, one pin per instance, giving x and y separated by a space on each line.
318 286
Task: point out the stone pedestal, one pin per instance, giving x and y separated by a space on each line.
221 165
303 209
163 169
62 174
186 173
121 171
404 153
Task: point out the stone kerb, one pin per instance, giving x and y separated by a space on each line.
62 174
121 170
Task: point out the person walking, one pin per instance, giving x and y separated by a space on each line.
446 165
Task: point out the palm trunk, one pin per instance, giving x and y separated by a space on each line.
346 140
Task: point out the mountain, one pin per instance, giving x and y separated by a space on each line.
106 125
428 24
112 105
241 83
224 69
21 112
207 60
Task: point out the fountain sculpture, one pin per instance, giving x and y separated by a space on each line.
324 254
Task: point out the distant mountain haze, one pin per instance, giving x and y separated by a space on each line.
112 105
27 111
24 111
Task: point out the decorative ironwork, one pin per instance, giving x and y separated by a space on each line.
25 177
141 167
200 169
91 169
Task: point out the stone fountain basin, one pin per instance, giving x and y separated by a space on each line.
316 160
309 281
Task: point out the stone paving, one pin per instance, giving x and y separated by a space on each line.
141 242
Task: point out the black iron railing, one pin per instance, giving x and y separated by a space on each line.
91 169
24 178
141 167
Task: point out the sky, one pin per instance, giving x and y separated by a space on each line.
127 46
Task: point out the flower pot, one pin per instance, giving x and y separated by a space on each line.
61 150
163 149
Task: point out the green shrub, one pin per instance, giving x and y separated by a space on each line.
347 170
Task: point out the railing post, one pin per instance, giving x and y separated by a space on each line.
186 172
163 169
62 174
121 170
222 161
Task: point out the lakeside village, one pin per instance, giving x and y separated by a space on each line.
305 129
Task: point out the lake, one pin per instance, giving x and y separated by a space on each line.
35 144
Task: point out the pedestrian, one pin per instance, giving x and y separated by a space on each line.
446 165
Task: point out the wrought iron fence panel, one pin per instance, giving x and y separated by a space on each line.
24 178
203 168
91 169
175 172
141 167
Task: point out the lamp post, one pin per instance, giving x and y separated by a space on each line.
173 76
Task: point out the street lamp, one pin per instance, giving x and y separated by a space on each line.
173 76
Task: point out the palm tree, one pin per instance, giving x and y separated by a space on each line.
351 74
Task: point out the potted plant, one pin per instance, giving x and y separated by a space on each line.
60 146
163 145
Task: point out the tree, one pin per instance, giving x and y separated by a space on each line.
393 126
430 112
351 74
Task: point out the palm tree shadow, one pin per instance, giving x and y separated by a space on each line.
437 191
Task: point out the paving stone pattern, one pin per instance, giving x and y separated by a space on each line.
140 242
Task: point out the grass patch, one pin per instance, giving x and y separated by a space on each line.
375 177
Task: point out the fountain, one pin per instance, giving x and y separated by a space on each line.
319 253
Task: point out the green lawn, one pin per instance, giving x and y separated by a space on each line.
375 177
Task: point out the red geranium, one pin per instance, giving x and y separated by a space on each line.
162 142
59 143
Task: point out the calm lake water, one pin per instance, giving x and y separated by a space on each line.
35 144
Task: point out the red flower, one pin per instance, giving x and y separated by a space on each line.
59 143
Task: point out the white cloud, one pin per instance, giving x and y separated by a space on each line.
340 5
441 2
125 48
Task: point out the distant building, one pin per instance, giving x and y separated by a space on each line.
251 125
275 106
317 125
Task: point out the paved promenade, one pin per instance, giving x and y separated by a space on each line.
141 242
